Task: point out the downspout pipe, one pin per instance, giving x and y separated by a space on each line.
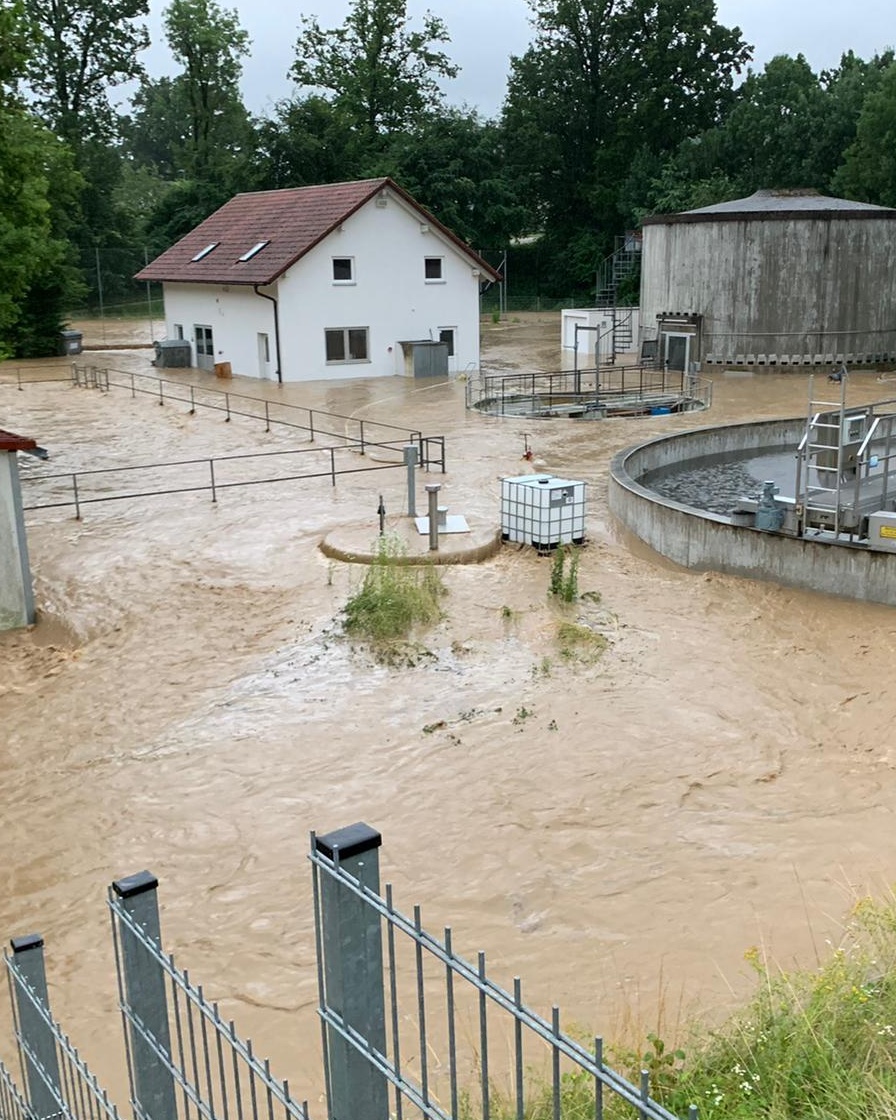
276 329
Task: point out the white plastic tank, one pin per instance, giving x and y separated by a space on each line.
541 510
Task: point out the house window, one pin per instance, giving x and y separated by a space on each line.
250 253
432 268
347 344
446 334
204 252
343 270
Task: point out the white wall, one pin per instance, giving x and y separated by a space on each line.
236 315
389 295
600 317
16 601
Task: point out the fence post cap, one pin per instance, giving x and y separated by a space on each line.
133 885
353 840
29 941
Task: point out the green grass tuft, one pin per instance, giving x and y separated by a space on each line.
394 597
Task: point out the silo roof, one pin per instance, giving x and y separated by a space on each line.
778 205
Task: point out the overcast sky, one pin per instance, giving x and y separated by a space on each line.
484 33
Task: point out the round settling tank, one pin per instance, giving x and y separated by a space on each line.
780 278
720 464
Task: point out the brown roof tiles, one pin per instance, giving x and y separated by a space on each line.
289 222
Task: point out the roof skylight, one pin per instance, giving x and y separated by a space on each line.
256 248
204 252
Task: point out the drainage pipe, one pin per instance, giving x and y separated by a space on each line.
276 328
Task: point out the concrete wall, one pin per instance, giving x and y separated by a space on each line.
16 599
798 285
389 294
708 541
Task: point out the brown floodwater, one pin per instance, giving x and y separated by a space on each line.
618 834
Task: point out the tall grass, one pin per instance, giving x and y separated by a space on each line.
395 597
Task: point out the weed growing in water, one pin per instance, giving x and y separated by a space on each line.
579 643
565 581
394 597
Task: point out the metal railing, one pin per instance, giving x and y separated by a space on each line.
70 489
12 1104
379 1041
58 1080
613 389
184 1060
409 1027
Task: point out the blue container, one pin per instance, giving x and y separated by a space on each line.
660 410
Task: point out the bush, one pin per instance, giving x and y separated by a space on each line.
394 597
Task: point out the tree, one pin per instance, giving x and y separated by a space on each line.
603 81
82 48
307 140
453 162
377 70
209 43
37 188
869 167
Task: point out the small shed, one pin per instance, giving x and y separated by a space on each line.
16 596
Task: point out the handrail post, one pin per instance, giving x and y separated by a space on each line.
192 401
333 465
410 462
133 389
144 999
77 502
227 405
311 424
267 417
161 391
211 471
353 989
361 423
36 1042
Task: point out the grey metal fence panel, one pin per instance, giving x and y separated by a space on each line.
59 1082
457 1044
215 1073
12 1104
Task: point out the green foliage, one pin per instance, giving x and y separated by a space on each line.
579 643
83 48
869 167
565 581
602 80
394 597
376 68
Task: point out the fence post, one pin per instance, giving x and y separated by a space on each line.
143 991
352 940
36 1041
410 461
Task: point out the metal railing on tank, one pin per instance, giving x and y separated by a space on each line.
411 1028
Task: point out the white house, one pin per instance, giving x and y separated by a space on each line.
333 281
16 597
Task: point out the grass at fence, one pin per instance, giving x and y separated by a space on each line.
818 1044
395 597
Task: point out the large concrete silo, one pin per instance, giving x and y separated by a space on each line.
781 277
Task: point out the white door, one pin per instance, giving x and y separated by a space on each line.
677 351
447 335
264 355
205 347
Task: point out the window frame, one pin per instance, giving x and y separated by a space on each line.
343 281
440 279
346 333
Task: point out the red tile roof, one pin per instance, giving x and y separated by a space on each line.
9 441
291 221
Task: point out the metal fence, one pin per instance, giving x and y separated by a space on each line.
409 1027
76 489
433 1031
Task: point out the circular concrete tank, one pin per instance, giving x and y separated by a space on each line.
779 278
704 540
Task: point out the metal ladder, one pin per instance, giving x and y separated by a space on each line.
818 420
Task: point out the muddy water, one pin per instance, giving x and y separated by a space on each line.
723 777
